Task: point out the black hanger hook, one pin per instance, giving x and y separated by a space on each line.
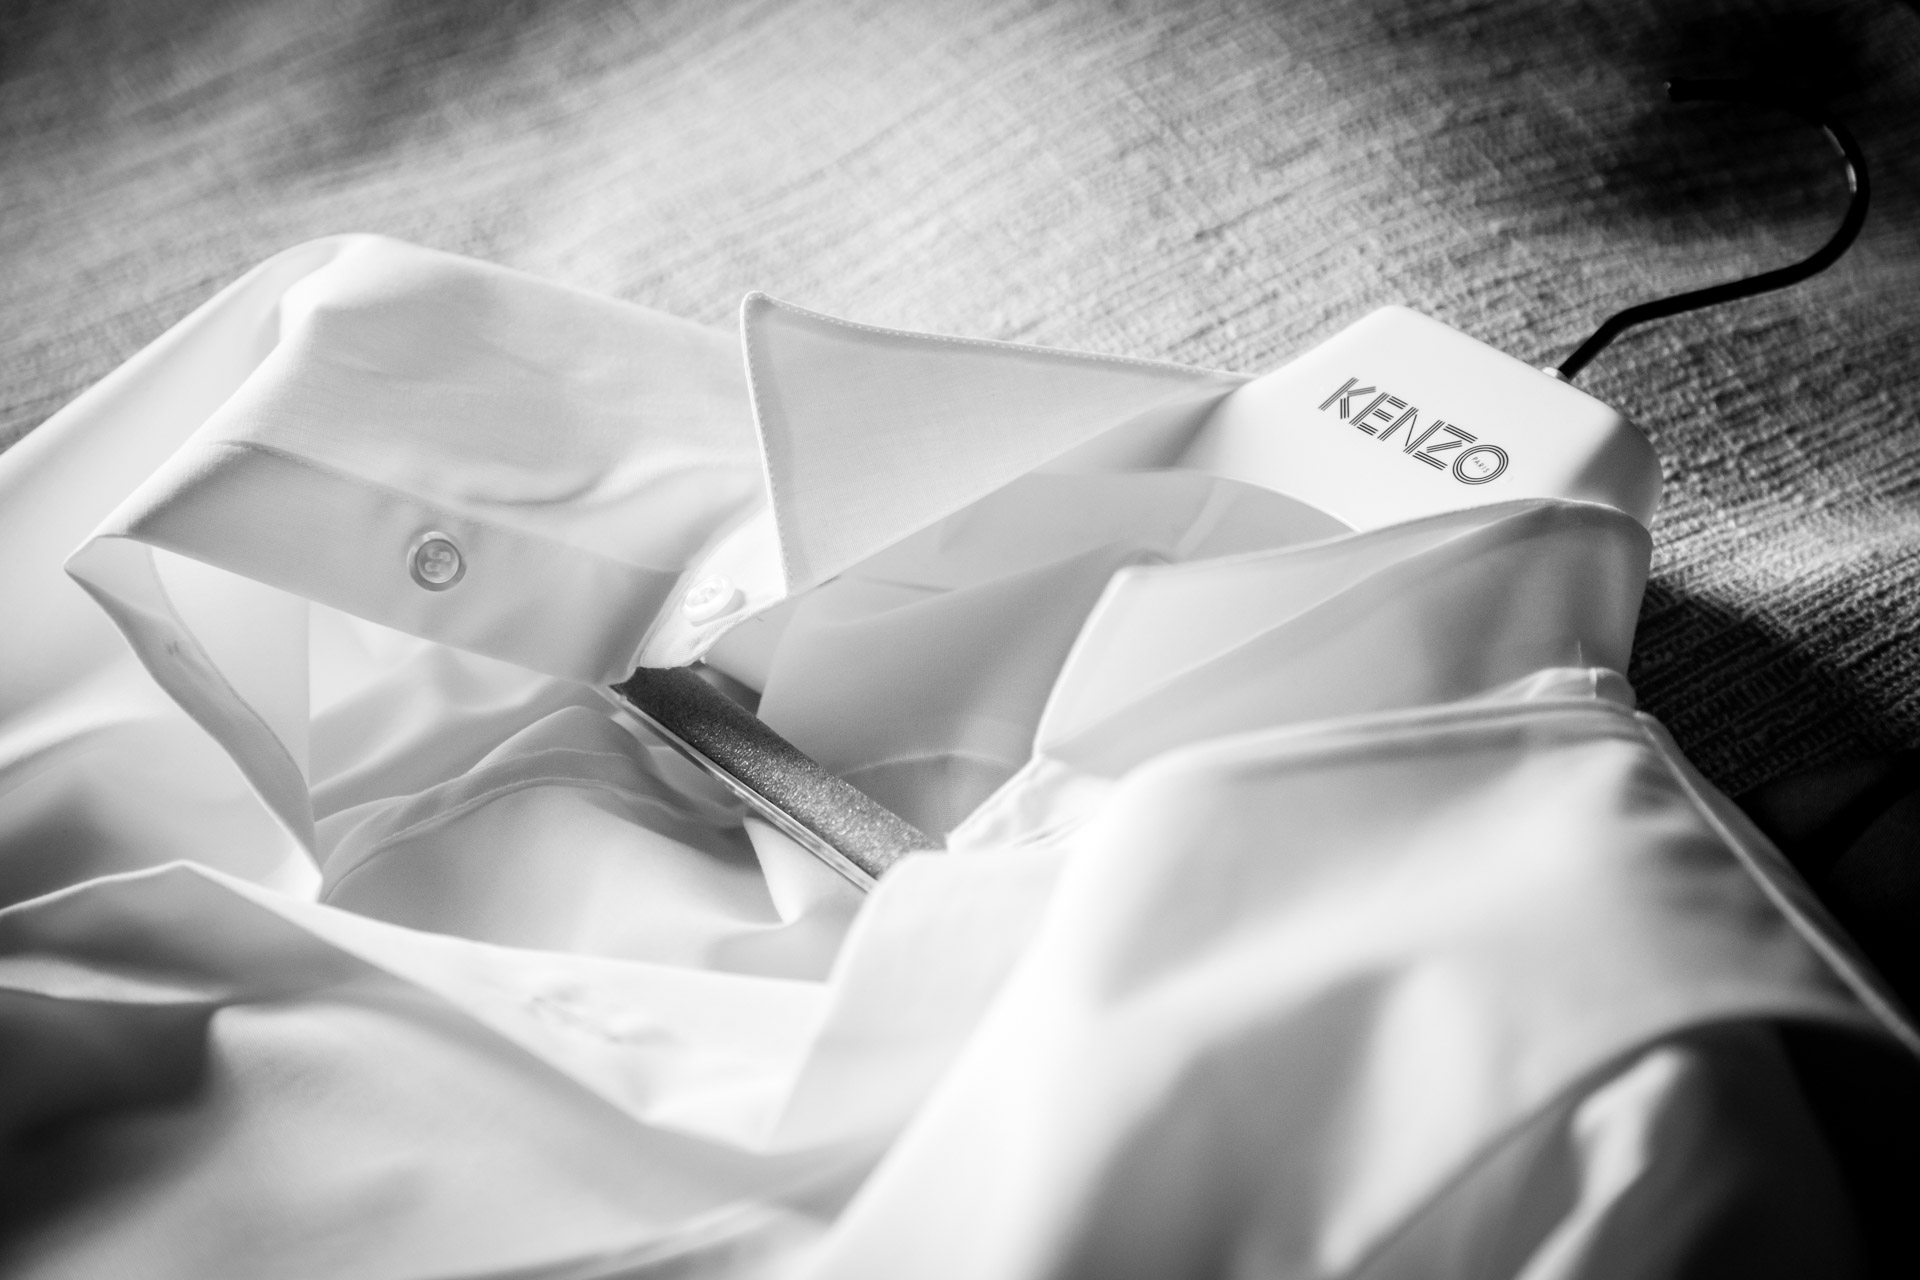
1828 253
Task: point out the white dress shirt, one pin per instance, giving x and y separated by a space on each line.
1315 902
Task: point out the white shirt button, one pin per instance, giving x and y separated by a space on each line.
435 561
708 599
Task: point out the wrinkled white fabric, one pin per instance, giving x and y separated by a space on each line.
1316 903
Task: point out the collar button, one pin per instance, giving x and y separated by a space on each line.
435 562
708 599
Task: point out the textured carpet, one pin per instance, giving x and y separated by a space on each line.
1221 183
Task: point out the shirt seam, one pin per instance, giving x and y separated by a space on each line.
1197 372
754 398
407 496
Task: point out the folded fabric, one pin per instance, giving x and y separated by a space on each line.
1315 902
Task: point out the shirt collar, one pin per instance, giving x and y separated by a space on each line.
595 467
868 435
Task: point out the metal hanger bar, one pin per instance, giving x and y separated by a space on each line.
1856 164
835 821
